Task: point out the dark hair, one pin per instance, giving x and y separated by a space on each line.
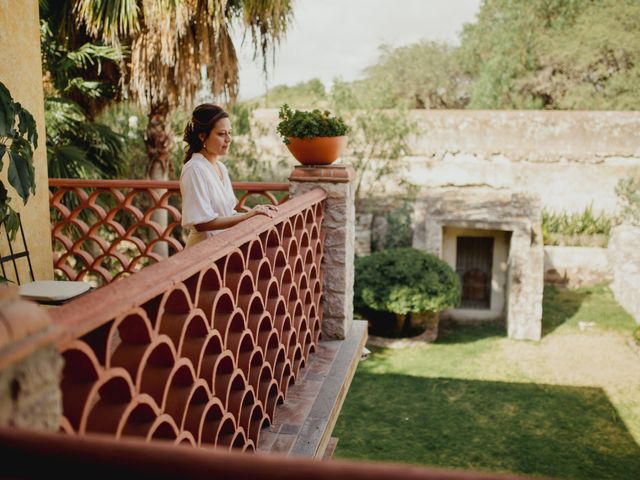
203 119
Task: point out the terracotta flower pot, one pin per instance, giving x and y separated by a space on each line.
317 150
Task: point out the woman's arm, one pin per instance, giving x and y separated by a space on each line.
220 223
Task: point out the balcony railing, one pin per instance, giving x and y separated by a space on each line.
199 348
105 229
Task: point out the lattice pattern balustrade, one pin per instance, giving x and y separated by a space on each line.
201 347
105 229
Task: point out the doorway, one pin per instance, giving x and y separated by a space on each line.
474 262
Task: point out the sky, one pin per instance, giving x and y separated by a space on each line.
331 39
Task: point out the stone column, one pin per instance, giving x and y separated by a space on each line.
339 226
21 72
525 282
30 365
624 257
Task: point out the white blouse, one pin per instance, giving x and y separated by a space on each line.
204 195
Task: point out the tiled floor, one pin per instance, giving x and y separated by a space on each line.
313 403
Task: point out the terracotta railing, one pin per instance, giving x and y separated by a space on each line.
199 348
26 453
104 229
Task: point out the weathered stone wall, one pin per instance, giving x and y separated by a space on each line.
576 266
624 256
570 160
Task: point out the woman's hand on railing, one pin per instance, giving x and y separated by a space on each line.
268 210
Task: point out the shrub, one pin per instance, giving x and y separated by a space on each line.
636 336
404 281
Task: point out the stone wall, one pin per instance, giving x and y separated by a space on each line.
624 256
576 266
570 160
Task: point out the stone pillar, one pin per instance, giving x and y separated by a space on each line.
30 365
624 258
21 72
525 283
339 226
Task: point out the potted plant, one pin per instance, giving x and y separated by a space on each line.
313 137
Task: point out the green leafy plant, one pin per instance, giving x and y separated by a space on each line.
378 143
309 124
402 281
399 230
572 228
18 140
628 192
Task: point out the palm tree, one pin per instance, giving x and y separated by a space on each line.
171 44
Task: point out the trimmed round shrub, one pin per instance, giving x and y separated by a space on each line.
402 281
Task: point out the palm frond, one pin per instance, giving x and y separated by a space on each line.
110 20
77 148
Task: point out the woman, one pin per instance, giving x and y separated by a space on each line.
208 201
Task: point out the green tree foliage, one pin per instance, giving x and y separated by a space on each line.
304 94
571 54
77 146
378 141
422 75
595 64
245 161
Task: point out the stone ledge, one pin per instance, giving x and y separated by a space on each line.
303 424
322 173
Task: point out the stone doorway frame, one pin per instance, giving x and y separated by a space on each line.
517 213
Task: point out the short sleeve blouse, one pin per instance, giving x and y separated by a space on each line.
204 195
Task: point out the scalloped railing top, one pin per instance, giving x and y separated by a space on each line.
201 347
105 229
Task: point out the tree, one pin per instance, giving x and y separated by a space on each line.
170 44
378 140
304 94
595 63
573 54
422 75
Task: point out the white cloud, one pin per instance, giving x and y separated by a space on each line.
339 38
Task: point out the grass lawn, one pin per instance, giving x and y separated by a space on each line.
565 407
